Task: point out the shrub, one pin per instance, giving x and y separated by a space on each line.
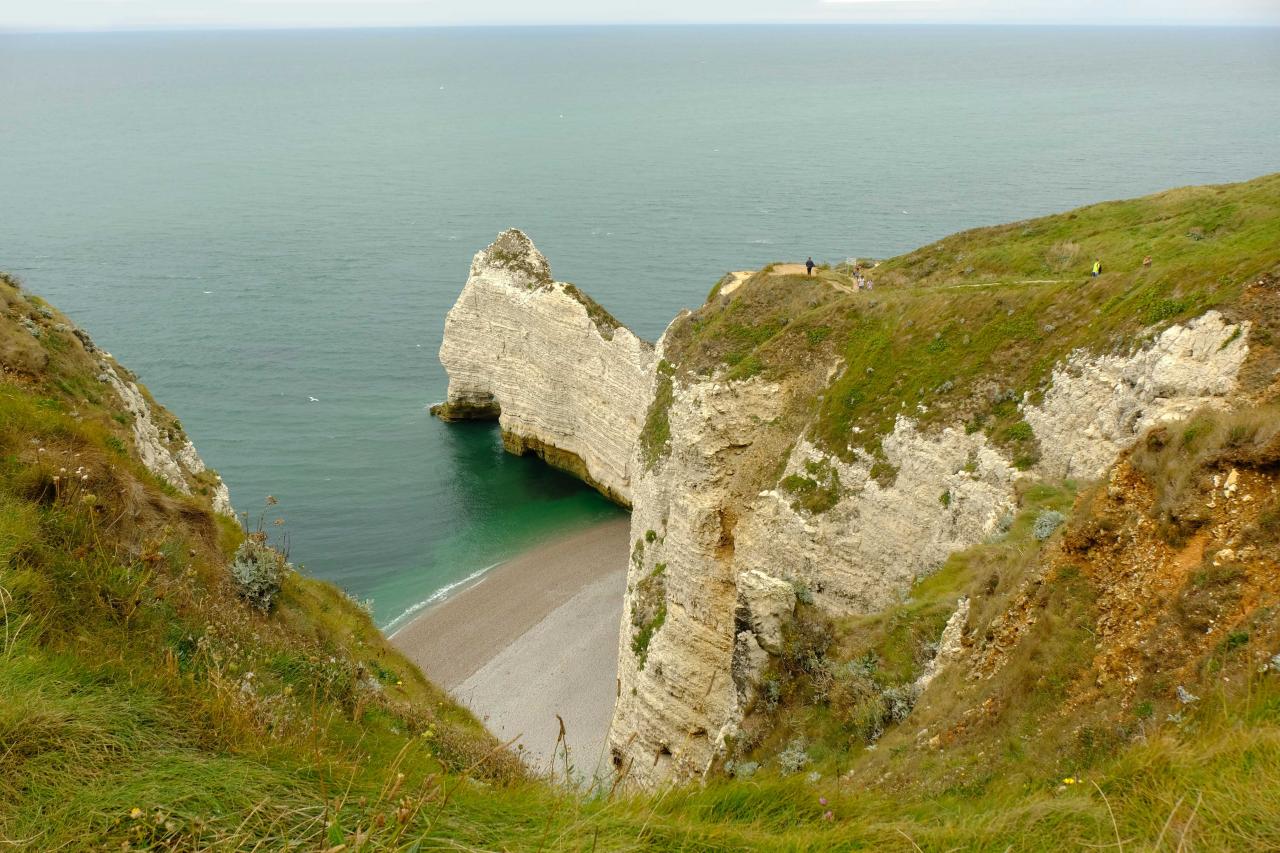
771 691
258 570
803 594
899 699
1021 431
794 758
1047 521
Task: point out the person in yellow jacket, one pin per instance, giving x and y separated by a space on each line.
1097 268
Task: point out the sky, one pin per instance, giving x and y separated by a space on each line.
200 14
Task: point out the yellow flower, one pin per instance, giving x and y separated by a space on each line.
1070 780
135 813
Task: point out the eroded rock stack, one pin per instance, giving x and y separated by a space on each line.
563 378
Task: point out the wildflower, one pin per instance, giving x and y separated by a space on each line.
1070 780
278 522
822 801
1185 696
828 815
135 813
84 478
271 501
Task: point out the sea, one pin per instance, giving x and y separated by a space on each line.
268 227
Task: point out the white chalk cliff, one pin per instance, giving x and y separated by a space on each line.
158 439
563 378
716 565
172 458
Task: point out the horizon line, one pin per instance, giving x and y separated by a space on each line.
296 27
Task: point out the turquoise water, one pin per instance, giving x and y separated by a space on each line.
251 219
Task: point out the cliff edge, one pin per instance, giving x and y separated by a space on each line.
798 443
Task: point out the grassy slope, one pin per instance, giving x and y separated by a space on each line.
124 650
1081 643
965 326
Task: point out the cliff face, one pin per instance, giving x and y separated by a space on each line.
715 546
562 377
795 440
1096 405
37 341
167 453
678 688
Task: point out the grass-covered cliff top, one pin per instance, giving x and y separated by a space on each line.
144 700
145 703
955 332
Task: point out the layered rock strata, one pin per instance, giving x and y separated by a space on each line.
172 458
564 380
717 566
1097 406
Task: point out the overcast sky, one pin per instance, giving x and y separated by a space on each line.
150 14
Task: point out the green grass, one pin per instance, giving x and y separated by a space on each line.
815 491
966 346
128 716
655 436
834 673
605 322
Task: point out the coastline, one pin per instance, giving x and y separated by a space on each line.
532 638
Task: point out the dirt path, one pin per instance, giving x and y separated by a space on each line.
740 276
734 283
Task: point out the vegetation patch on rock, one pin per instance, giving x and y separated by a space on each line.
649 610
816 490
655 437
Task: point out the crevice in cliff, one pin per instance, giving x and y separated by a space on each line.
560 459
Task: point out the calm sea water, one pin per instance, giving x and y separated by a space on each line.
249 220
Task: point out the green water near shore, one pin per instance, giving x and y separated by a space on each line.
251 220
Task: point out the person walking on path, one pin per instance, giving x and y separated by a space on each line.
1097 268
809 265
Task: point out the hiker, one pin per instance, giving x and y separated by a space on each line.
809 265
1097 268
